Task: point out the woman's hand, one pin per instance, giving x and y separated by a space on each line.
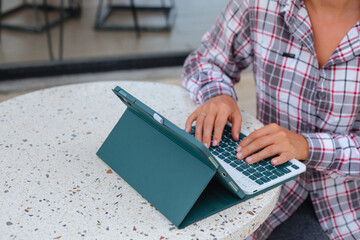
273 140
213 115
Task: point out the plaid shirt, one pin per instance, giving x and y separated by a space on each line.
322 104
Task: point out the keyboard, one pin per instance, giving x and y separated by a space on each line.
260 173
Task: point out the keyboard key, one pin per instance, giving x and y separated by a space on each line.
233 158
294 166
265 179
233 164
226 154
259 182
263 163
258 175
280 167
270 167
220 150
272 177
227 160
286 164
286 170
233 144
277 173
244 164
267 173
251 170
224 145
246 173
283 168
252 177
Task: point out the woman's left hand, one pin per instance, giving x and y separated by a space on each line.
273 140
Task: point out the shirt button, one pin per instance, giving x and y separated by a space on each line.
313 86
321 95
329 231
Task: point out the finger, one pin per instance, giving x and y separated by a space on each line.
267 130
256 145
236 126
263 154
208 129
190 120
282 158
220 122
199 127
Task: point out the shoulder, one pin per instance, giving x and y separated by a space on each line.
267 13
260 5
258 9
265 5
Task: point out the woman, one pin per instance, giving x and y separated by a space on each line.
306 64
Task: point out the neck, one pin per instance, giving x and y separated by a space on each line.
334 8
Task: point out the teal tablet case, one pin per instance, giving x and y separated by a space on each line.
166 165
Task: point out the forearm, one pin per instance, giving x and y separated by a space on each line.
206 81
225 50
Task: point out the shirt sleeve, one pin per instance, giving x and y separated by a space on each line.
337 154
225 50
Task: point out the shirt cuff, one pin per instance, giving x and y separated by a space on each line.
322 150
213 89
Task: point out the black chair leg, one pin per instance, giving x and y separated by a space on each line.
133 10
103 15
61 30
98 14
36 12
48 33
0 19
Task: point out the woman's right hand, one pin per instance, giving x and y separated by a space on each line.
212 116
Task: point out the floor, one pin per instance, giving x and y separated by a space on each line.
82 41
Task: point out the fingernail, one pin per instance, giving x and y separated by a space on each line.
239 155
215 143
237 135
187 129
249 160
238 149
206 145
275 161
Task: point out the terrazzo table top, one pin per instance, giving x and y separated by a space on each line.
53 186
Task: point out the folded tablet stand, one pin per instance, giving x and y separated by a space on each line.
164 166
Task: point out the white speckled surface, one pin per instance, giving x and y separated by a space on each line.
53 186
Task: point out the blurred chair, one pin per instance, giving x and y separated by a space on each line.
72 10
103 14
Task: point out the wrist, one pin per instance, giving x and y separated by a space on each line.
304 149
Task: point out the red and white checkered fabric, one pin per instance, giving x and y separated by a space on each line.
320 103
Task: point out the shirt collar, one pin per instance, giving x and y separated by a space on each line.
298 21
348 48
290 8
